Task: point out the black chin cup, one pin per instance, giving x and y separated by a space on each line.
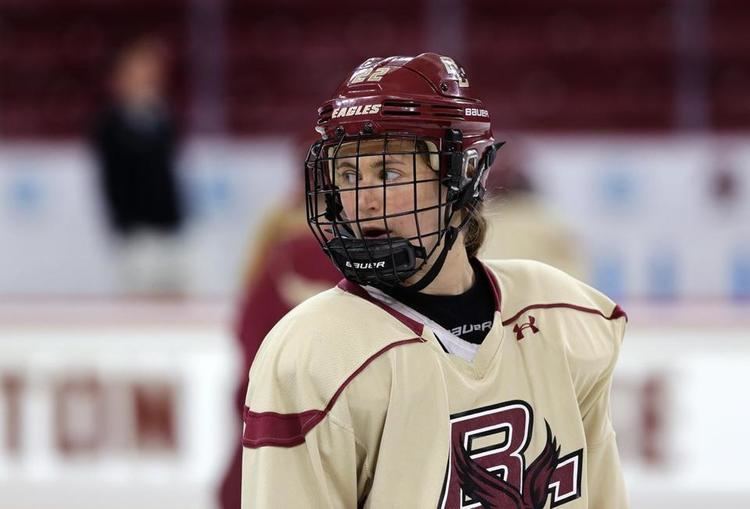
375 262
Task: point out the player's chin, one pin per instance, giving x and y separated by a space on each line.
428 242
418 275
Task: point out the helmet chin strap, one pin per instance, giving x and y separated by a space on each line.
451 235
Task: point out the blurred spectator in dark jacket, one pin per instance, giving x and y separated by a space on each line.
135 143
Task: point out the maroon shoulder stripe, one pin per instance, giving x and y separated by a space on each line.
495 284
288 430
357 290
617 312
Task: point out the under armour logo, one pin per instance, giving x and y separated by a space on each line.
518 329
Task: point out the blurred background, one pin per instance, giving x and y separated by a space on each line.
151 229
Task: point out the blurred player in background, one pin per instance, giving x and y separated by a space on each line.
427 378
135 142
286 267
518 223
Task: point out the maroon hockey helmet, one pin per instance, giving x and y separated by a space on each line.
426 101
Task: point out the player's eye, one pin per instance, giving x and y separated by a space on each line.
390 175
348 176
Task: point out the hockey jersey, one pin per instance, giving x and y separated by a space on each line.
352 402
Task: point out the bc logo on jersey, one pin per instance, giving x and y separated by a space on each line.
488 469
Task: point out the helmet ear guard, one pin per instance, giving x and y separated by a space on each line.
483 166
466 174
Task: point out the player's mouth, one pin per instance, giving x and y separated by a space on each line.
376 233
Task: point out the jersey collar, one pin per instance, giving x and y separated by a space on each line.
486 352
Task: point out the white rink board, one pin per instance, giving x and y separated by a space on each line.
699 411
54 234
115 406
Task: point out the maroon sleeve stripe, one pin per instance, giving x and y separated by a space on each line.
617 312
289 430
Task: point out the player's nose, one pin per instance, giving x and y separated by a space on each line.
370 198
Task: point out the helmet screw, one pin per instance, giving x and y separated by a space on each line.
339 131
367 129
444 86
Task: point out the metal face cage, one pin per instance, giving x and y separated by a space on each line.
381 205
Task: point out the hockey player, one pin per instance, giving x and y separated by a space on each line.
427 378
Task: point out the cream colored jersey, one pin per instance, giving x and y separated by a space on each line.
353 402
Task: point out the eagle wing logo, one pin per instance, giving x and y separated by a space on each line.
497 476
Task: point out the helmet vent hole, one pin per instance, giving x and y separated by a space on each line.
324 115
401 108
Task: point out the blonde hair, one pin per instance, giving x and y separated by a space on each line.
476 229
